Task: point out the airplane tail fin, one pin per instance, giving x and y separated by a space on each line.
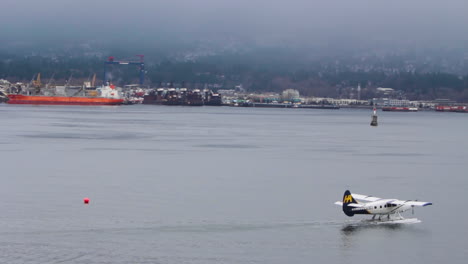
348 199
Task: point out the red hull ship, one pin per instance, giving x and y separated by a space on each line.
400 109
109 96
444 108
61 100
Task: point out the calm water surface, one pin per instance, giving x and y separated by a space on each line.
226 185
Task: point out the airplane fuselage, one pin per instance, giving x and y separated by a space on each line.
381 207
375 206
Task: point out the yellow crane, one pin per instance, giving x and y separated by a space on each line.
37 83
93 81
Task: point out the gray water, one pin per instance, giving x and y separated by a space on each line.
226 185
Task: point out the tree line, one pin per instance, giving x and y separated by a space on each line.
256 73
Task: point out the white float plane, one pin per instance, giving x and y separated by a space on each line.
376 206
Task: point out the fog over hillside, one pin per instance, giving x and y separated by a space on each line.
322 24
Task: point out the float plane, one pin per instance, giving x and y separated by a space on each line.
376 206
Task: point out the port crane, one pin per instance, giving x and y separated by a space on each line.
37 82
141 66
93 81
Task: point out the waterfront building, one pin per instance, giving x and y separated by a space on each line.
390 102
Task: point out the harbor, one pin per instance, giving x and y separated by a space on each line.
179 94
110 94
233 132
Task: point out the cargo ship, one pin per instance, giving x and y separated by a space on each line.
108 95
212 98
194 98
399 109
444 108
182 96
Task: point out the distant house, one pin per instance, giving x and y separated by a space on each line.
239 88
227 92
390 102
385 91
4 84
444 102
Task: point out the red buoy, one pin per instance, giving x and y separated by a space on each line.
86 200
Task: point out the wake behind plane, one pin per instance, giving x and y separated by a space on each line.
370 205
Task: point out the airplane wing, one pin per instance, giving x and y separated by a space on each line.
417 203
412 203
367 198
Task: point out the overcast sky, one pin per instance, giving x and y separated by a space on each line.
413 21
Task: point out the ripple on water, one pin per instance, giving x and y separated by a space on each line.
95 136
233 146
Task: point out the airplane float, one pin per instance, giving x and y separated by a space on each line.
376 206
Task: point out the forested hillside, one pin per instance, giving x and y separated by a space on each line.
260 71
